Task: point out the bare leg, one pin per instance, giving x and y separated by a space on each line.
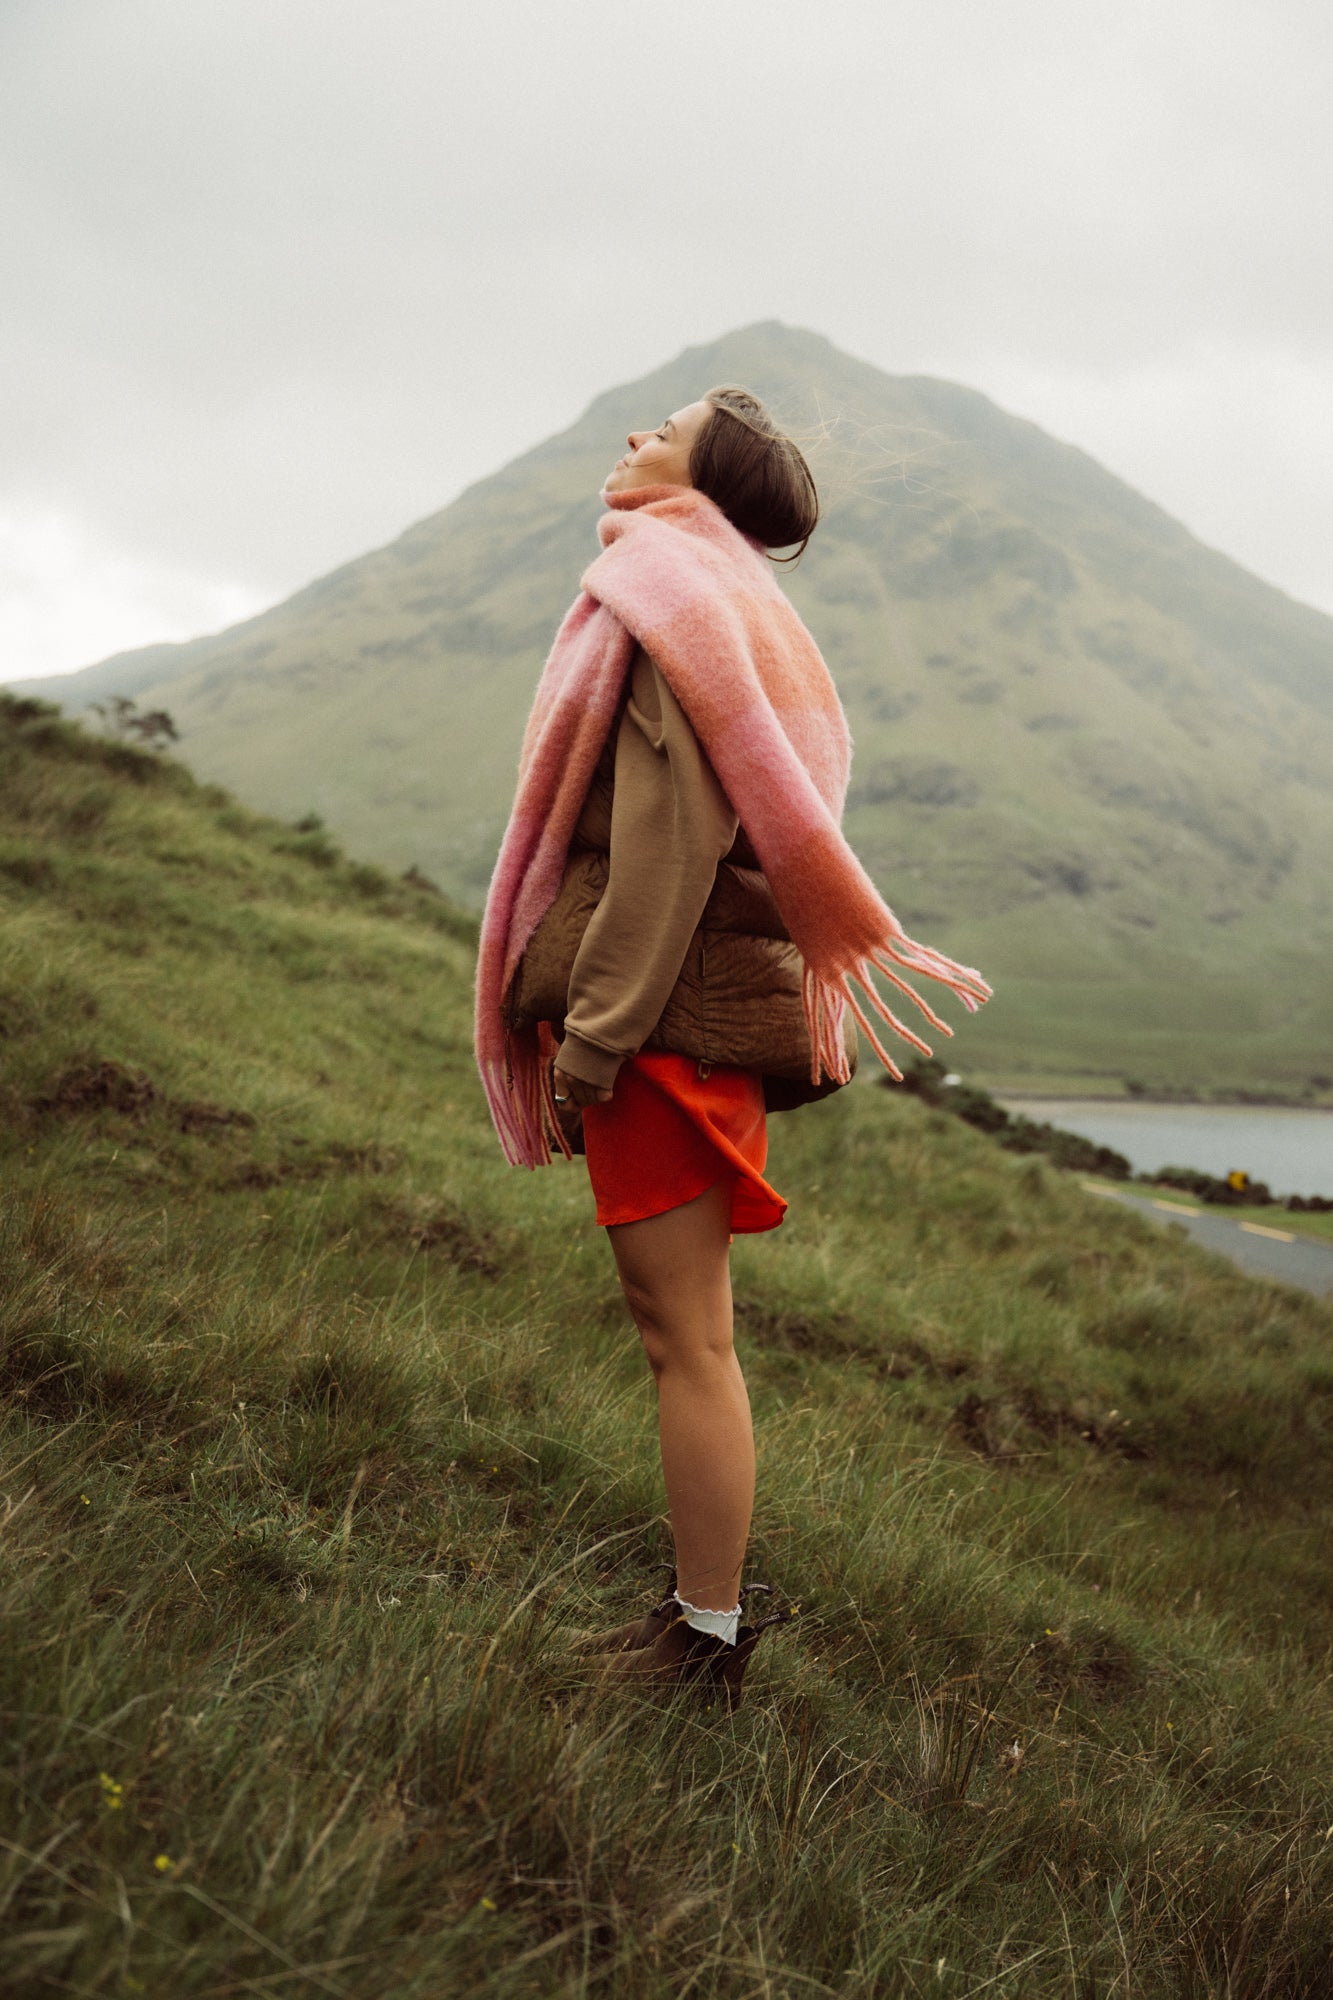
676 1276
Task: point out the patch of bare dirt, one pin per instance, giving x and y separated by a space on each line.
838 1336
109 1085
416 1222
1013 1426
200 1116
100 1086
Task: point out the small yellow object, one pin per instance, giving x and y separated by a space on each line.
486 1903
111 1792
162 1862
86 1501
1049 1633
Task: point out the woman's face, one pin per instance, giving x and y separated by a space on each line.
660 457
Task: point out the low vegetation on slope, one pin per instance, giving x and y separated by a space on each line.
320 1426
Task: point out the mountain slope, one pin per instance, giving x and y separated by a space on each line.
320 1427
1093 756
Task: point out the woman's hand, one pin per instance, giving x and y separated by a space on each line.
578 1092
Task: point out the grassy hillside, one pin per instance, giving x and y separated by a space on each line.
1093 756
320 1425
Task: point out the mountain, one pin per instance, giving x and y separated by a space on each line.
1093 756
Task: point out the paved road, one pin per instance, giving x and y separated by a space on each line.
1258 1247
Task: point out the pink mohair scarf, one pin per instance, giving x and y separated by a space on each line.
677 579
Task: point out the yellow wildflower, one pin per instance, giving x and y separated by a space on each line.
162 1862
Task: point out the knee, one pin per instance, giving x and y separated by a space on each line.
677 1339
645 1308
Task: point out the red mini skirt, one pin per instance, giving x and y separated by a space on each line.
670 1131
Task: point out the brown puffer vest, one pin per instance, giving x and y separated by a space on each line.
737 998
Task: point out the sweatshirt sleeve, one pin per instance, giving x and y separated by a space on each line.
671 823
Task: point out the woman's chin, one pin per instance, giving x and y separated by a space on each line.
618 481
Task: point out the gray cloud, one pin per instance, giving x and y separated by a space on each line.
283 278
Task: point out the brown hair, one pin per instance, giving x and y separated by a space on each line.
754 473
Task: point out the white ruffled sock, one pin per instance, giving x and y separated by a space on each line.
718 1624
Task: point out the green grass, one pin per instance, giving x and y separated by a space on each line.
320 1425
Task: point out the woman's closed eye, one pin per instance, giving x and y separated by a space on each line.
659 457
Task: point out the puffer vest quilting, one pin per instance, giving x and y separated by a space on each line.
738 996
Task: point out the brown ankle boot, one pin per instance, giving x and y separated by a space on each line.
678 1655
729 1672
632 1636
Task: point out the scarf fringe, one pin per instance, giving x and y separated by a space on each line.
521 1095
961 980
826 999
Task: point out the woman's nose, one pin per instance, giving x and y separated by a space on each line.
635 439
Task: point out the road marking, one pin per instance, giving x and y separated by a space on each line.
1179 1208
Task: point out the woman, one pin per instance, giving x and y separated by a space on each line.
670 940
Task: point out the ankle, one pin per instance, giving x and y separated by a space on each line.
722 1625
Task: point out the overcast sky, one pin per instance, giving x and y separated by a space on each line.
281 278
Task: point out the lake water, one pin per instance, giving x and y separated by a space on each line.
1291 1150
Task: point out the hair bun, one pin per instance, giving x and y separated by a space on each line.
754 473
